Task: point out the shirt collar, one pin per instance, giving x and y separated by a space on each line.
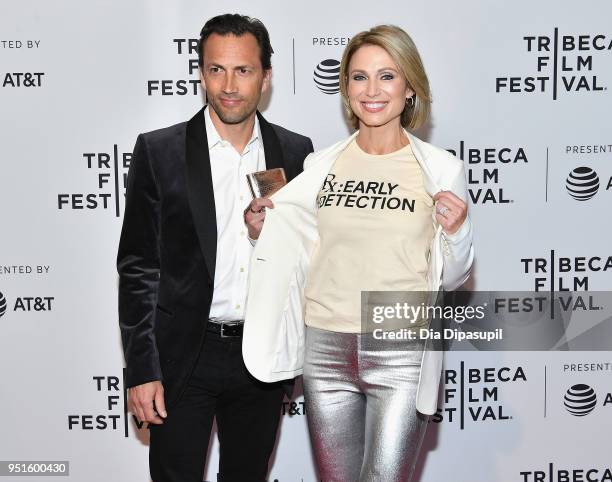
213 135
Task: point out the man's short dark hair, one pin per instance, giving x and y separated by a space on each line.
238 25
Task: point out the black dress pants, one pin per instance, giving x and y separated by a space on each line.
247 413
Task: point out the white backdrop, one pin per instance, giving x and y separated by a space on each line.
79 81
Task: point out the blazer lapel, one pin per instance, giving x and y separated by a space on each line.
271 144
418 149
429 180
200 189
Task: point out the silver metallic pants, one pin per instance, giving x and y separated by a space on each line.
361 407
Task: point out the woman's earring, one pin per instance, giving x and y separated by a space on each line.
410 101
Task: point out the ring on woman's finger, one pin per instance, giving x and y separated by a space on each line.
443 210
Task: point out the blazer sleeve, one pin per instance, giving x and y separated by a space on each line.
457 248
138 266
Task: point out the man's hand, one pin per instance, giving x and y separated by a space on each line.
146 401
451 211
255 214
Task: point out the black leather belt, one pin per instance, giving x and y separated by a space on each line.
230 329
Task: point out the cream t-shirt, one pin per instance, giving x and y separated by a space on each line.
375 226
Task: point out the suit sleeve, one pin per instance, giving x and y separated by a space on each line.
309 147
457 248
138 266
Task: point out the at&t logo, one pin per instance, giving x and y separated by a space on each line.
27 303
2 305
23 79
327 76
582 183
580 400
293 408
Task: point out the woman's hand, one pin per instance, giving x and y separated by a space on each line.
255 214
451 211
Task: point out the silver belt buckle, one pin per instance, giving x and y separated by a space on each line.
230 324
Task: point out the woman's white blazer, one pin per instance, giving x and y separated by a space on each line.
273 339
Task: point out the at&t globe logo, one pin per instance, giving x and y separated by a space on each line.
2 305
580 400
327 76
582 183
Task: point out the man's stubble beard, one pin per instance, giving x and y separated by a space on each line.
232 118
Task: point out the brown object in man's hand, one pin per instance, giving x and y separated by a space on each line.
266 183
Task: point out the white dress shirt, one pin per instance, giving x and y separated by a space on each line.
232 195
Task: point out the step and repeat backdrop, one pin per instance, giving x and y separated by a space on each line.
521 95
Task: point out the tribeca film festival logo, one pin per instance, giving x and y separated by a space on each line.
561 273
25 304
563 63
473 394
184 47
21 79
111 413
553 473
483 179
111 169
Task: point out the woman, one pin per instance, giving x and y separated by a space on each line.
380 211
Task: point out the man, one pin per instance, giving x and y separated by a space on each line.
183 266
